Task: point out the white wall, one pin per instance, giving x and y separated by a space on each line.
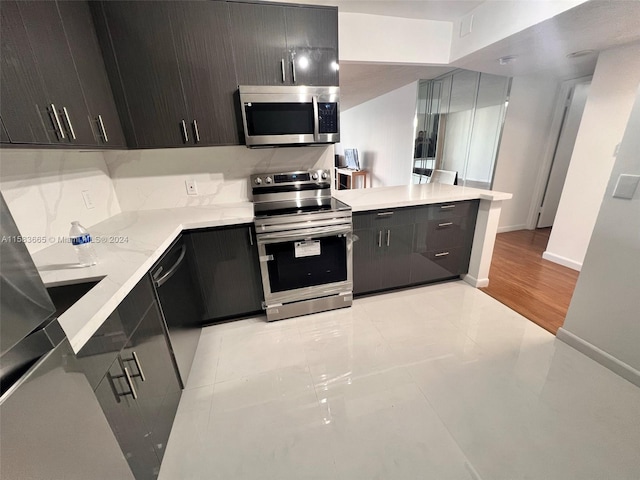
495 20
603 123
380 39
523 146
382 131
150 179
604 316
43 189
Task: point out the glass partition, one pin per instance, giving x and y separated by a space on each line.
458 125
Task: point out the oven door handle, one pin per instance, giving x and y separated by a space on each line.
303 233
316 120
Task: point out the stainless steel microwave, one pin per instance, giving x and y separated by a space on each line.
290 115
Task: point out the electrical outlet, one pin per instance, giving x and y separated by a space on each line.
88 201
192 187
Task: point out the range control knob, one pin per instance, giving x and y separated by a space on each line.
268 180
325 175
314 176
258 181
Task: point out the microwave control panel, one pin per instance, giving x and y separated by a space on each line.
327 117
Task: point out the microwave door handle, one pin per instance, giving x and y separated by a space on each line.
316 122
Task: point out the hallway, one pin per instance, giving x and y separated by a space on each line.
520 278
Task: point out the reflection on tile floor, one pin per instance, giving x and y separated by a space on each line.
438 382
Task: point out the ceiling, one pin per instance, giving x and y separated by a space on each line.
443 10
541 49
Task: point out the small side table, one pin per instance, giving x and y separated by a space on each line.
352 176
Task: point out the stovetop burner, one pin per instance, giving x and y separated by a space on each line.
299 207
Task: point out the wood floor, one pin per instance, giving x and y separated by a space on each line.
520 278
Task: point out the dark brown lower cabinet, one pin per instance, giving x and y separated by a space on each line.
227 268
139 391
409 246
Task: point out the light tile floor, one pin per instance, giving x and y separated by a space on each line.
439 382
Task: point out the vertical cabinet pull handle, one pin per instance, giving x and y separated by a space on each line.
102 129
196 132
59 131
380 238
132 391
250 237
388 237
293 69
284 76
185 135
66 116
136 360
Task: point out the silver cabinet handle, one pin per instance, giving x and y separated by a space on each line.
185 135
102 129
127 377
60 131
134 358
250 237
66 115
446 224
442 254
196 132
160 281
388 237
447 206
385 214
380 238
293 68
284 76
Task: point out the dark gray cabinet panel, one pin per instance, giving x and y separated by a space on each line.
312 38
260 44
53 427
366 261
145 71
205 61
87 57
226 262
57 68
23 101
4 136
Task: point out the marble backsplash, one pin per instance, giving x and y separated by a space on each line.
150 179
43 189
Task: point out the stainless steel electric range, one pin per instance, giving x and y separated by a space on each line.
304 239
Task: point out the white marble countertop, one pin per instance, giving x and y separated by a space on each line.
364 199
127 244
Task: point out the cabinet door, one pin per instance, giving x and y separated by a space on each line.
396 263
229 272
87 57
57 69
312 41
147 71
23 102
154 378
205 59
259 44
367 258
125 419
4 136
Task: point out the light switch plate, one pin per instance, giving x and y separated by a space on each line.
88 201
626 186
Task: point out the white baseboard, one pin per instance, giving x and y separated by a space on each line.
511 228
603 358
567 262
474 282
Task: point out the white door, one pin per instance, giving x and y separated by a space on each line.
562 155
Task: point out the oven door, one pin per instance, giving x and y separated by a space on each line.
305 264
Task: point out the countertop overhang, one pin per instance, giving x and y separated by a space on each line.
129 244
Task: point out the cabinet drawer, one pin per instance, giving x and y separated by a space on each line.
384 218
444 211
441 234
439 264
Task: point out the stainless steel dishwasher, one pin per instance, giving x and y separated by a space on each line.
180 303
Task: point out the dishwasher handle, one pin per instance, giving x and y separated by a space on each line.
164 278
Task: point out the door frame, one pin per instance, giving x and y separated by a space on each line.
555 130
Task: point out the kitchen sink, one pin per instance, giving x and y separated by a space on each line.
64 296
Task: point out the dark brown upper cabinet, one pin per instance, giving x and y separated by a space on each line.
284 45
171 66
50 66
